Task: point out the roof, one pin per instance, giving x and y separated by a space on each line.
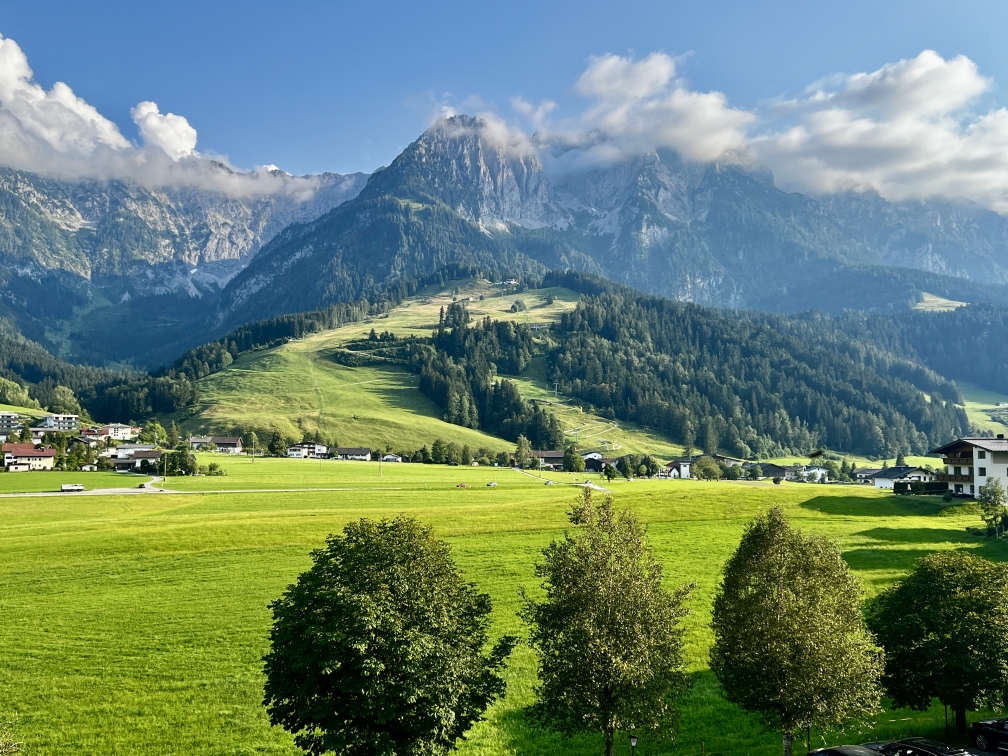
226 440
990 444
200 439
14 447
893 473
33 452
147 454
354 450
548 454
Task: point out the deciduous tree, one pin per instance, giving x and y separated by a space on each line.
790 641
608 634
944 628
572 461
992 504
706 468
378 649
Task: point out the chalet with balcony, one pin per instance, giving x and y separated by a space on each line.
971 462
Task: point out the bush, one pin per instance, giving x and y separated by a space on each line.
777 481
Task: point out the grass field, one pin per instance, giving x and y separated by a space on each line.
136 625
32 482
979 402
295 388
934 303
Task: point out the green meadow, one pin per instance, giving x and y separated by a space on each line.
41 481
136 624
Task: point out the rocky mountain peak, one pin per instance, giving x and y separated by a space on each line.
480 169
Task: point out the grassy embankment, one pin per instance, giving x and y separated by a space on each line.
137 624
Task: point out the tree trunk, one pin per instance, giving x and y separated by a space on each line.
960 712
788 737
609 747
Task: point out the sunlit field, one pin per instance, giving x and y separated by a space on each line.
136 624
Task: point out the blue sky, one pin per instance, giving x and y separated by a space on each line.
344 87
904 98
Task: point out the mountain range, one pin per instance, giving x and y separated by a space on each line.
83 261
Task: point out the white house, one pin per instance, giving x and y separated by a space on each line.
971 462
9 421
120 431
308 451
61 423
391 458
24 460
889 477
677 468
358 454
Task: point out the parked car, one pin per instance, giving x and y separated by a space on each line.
990 734
846 750
917 747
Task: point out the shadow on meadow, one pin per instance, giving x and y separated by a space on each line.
861 506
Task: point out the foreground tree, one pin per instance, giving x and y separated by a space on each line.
379 647
992 504
609 636
945 632
790 641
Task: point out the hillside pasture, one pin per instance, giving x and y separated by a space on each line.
137 624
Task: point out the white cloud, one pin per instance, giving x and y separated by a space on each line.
905 130
172 133
58 134
636 106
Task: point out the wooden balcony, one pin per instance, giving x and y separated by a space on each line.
958 461
946 478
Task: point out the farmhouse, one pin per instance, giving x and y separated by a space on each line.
596 462
904 474
768 469
357 454
549 460
223 444
971 462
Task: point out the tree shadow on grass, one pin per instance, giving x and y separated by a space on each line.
892 549
706 717
862 506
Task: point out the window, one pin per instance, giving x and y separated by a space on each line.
981 454
958 471
982 472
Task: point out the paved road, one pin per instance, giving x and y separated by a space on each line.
147 488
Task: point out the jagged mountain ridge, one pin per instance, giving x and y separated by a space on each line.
143 240
719 234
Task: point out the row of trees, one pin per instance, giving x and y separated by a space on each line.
382 647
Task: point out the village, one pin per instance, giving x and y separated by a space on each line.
50 444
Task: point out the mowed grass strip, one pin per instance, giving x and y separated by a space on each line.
136 624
